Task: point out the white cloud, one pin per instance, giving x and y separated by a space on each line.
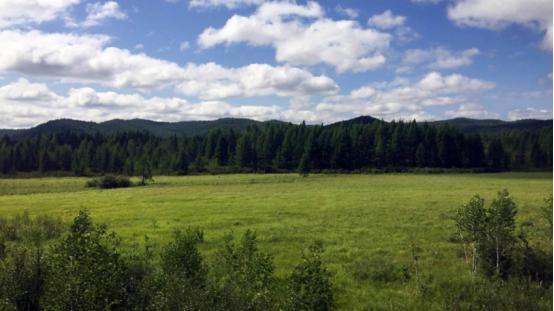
440 58
386 20
23 90
82 58
211 81
301 35
185 45
405 99
98 12
28 12
471 110
497 14
229 4
530 113
348 12
25 104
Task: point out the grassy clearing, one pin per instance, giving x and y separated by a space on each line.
365 221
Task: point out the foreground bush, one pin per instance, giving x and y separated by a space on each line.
109 182
85 270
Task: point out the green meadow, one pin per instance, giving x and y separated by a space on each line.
373 226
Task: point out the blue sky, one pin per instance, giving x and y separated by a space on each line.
319 61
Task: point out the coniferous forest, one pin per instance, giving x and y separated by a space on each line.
280 147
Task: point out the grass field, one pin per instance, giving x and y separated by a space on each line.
363 220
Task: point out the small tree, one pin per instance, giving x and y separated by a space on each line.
471 223
243 275
501 227
144 170
304 165
184 276
86 270
310 283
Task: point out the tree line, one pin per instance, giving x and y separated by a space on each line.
280 147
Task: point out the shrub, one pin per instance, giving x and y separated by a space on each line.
310 283
86 269
22 276
109 182
243 276
24 228
184 275
378 269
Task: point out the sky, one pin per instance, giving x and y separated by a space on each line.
313 61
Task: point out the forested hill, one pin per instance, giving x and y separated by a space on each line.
192 128
233 145
160 129
493 126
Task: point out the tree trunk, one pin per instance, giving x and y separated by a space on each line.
497 258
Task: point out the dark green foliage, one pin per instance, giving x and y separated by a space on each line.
311 287
242 275
22 277
143 169
278 146
184 276
86 269
109 182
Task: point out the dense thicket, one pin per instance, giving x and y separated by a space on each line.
280 147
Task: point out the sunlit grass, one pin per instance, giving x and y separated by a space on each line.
360 218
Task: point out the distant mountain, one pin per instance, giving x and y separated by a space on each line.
164 129
357 120
493 126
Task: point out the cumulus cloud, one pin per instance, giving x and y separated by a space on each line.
386 20
406 99
530 113
82 58
497 14
348 12
29 12
25 91
471 110
440 58
212 81
301 35
229 4
98 13
25 104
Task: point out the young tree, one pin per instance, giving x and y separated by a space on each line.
86 269
500 233
184 276
243 275
144 170
310 283
471 220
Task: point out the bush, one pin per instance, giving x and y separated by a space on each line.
378 269
311 287
109 182
243 276
86 269
24 228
